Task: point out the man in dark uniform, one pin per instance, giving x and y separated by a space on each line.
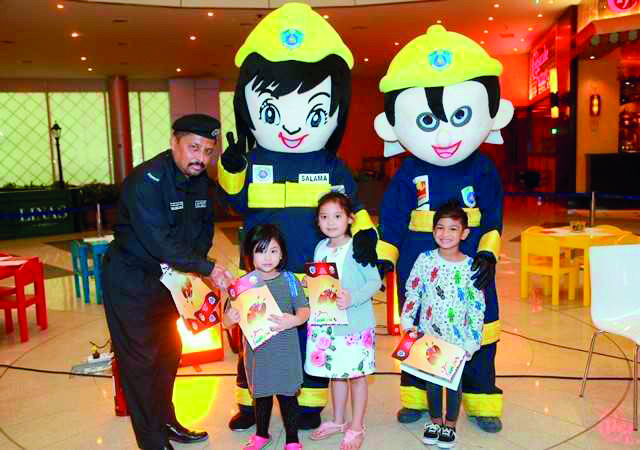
164 216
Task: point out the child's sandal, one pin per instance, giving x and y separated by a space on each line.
327 429
352 439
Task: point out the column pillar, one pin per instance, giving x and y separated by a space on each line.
118 86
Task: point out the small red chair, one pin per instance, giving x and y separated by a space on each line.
13 297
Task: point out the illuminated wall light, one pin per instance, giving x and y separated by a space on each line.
595 105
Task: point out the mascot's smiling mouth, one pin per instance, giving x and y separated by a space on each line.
446 152
292 143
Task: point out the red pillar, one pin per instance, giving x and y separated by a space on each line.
120 127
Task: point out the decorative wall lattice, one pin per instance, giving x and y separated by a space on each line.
24 139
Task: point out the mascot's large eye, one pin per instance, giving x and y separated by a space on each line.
461 116
427 122
269 113
317 117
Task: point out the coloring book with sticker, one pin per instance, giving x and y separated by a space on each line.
255 303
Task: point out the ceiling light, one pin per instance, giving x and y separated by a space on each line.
496 5
60 6
521 39
178 69
490 18
530 29
83 58
193 38
515 49
481 42
438 21
75 35
486 31
210 14
396 43
90 69
366 60
326 16
539 14
592 57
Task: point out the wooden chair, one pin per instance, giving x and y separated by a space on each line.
14 297
542 255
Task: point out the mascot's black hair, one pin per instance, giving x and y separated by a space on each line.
288 76
434 99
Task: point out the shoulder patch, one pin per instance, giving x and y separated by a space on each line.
153 177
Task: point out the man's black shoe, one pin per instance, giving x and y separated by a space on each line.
242 421
178 433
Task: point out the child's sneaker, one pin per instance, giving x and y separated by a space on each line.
431 433
447 438
257 443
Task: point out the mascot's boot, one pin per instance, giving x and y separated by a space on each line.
489 424
408 415
309 420
243 420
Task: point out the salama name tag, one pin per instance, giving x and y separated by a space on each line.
319 178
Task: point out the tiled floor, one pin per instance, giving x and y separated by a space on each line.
540 355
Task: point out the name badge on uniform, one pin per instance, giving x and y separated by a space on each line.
175 206
313 178
262 173
469 197
200 204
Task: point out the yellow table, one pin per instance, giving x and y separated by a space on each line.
582 240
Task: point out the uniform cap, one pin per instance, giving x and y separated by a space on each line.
294 32
438 58
200 124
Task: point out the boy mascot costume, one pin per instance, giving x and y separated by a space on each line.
441 101
291 102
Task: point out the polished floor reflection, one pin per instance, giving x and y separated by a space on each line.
541 357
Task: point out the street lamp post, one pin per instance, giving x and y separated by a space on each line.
56 131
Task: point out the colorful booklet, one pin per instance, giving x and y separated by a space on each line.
196 302
432 359
323 285
255 303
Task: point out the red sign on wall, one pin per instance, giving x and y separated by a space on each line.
622 5
541 59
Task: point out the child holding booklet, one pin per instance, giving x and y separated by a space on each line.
344 353
451 308
275 367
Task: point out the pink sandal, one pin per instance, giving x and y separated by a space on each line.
257 442
328 429
352 439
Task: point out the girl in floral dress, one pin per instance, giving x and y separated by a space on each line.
344 353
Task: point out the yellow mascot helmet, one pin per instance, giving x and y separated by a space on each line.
294 32
438 58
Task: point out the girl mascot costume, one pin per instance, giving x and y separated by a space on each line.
291 103
442 100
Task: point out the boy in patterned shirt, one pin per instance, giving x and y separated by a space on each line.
441 289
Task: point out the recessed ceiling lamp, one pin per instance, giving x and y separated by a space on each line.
490 18
539 14
366 60
438 21
485 31
60 6
396 43
530 29
83 58
192 38
592 57
210 14
178 69
90 69
326 16
522 39
496 5
75 35
515 49
481 42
